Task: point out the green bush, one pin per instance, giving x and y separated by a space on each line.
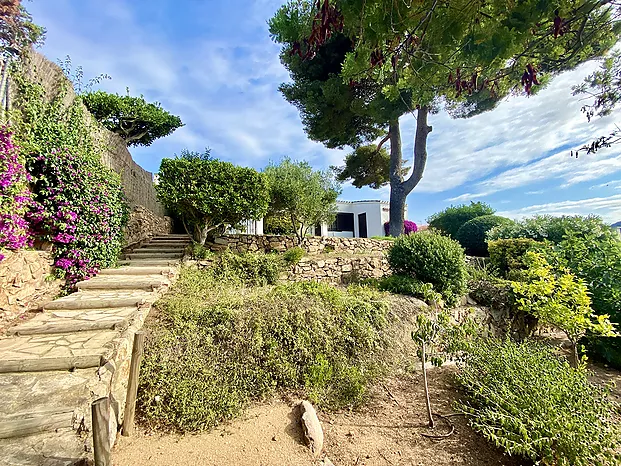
293 255
253 268
431 258
527 401
215 346
472 235
278 224
199 252
406 285
507 254
451 219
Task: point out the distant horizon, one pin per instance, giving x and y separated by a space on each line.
220 73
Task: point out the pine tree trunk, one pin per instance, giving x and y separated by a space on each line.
400 188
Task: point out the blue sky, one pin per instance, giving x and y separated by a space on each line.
212 63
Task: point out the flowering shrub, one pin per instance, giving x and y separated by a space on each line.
79 203
408 227
14 195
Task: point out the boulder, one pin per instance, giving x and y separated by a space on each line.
313 433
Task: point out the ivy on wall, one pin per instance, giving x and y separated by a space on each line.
77 203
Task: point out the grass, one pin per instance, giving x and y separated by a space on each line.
218 344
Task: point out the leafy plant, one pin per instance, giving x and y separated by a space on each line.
472 235
406 285
431 258
508 254
210 195
529 402
278 224
294 255
451 219
217 345
559 300
138 122
17 31
253 268
304 196
200 252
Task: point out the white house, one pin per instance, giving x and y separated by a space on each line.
359 219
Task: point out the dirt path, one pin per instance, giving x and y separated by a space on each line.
386 432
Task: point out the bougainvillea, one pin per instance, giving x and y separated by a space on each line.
409 227
79 204
14 194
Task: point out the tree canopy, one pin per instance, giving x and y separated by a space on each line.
305 196
138 122
17 31
210 195
357 67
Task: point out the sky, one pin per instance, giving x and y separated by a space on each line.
213 63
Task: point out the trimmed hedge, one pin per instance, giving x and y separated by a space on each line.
473 234
508 254
431 258
451 219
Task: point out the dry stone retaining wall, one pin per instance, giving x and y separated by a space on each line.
339 270
23 284
312 245
143 224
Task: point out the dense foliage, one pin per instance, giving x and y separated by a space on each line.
138 122
409 227
15 198
431 258
210 195
406 285
79 203
357 67
278 224
529 402
451 219
254 269
217 345
294 255
508 254
591 250
17 31
305 196
472 235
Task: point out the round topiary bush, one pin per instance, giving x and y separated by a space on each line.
431 258
473 234
451 219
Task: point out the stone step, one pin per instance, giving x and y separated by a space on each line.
74 321
148 263
164 245
152 255
157 250
171 237
56 352
163 270
101 300
126 283
62 447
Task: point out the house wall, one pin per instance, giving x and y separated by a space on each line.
378 213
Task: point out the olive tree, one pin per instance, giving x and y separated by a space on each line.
210 195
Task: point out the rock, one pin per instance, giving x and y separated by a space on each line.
311 427
326 462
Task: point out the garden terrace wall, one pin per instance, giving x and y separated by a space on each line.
144 224
23 282
339 270
312 245
137 182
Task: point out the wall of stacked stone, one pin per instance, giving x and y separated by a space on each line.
339 270
137 182
312 245
144 224
23 284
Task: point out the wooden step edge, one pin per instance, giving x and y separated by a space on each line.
67 327
29 424
43 364
102 303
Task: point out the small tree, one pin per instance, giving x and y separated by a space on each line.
210 195
138 122
17 31
305 196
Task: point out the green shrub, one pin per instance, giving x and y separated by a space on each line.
216 346
199 252
278 224
293 255
472 235
405 285
507 254
527 401
254 268
431 258
450 220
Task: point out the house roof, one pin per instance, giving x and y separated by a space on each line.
616 225
377 201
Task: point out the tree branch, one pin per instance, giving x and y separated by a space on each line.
420 149
383 141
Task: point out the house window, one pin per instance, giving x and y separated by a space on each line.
343 222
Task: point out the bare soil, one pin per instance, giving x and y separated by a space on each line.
386 431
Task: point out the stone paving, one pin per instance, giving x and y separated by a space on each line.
53 366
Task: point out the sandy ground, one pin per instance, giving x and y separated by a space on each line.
386 431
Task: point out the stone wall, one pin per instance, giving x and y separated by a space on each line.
312 245
339 270
23 284
143 224
137 182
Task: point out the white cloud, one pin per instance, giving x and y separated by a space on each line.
609 208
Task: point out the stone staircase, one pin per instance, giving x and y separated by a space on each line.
55 365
